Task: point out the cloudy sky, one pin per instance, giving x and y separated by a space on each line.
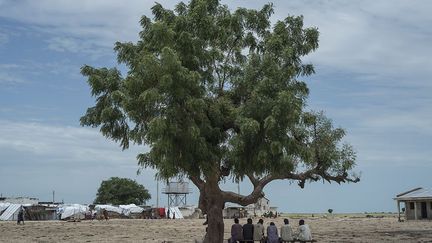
373 76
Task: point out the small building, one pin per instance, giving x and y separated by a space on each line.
233 211
261 207
418 204
41 212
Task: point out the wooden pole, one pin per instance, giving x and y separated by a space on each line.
398 205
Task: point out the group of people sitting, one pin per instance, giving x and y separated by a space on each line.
255 232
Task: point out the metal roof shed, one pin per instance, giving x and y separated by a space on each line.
418 203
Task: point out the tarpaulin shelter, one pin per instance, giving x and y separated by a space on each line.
130 209
174 212
75 211
11 212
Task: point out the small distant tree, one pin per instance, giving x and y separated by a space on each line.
121 191
330 211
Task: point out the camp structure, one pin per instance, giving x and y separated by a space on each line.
131 210
418 204
260 208
73 211
41 212
233 211
189 212
3 206
11 212
174 213
113 211
19 200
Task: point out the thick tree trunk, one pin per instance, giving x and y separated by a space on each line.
215 204
215 229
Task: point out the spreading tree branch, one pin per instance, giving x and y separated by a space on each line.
313 174
253 179
197 181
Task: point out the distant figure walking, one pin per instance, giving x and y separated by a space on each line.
105 214
272 233
21 216
304 231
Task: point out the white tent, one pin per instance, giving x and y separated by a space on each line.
131 208
76 211
11 212
109 208
174 211
3 206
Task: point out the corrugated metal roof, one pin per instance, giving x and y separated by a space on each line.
417 193
3 206
9 213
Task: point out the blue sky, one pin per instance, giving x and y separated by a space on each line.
373 79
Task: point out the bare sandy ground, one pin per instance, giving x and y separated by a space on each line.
331 229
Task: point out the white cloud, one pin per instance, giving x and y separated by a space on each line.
9 76
64 144
76 45
10 79
9 66
70 160
375 38
372 37
29 71
64 44
385 136
92 23
4 38
386 41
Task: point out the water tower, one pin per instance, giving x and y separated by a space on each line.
177 193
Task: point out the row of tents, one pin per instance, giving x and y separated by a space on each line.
80 211
9 211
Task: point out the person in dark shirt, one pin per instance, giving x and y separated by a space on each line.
105 214
21 216
236 232
248 231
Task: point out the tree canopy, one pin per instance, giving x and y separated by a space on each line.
121 191
218 95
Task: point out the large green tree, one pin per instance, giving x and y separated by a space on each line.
216 94
120 191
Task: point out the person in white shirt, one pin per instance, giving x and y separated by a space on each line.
304 232
259 231
286 231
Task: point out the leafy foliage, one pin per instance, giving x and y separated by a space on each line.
207 87
217 94
119 191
